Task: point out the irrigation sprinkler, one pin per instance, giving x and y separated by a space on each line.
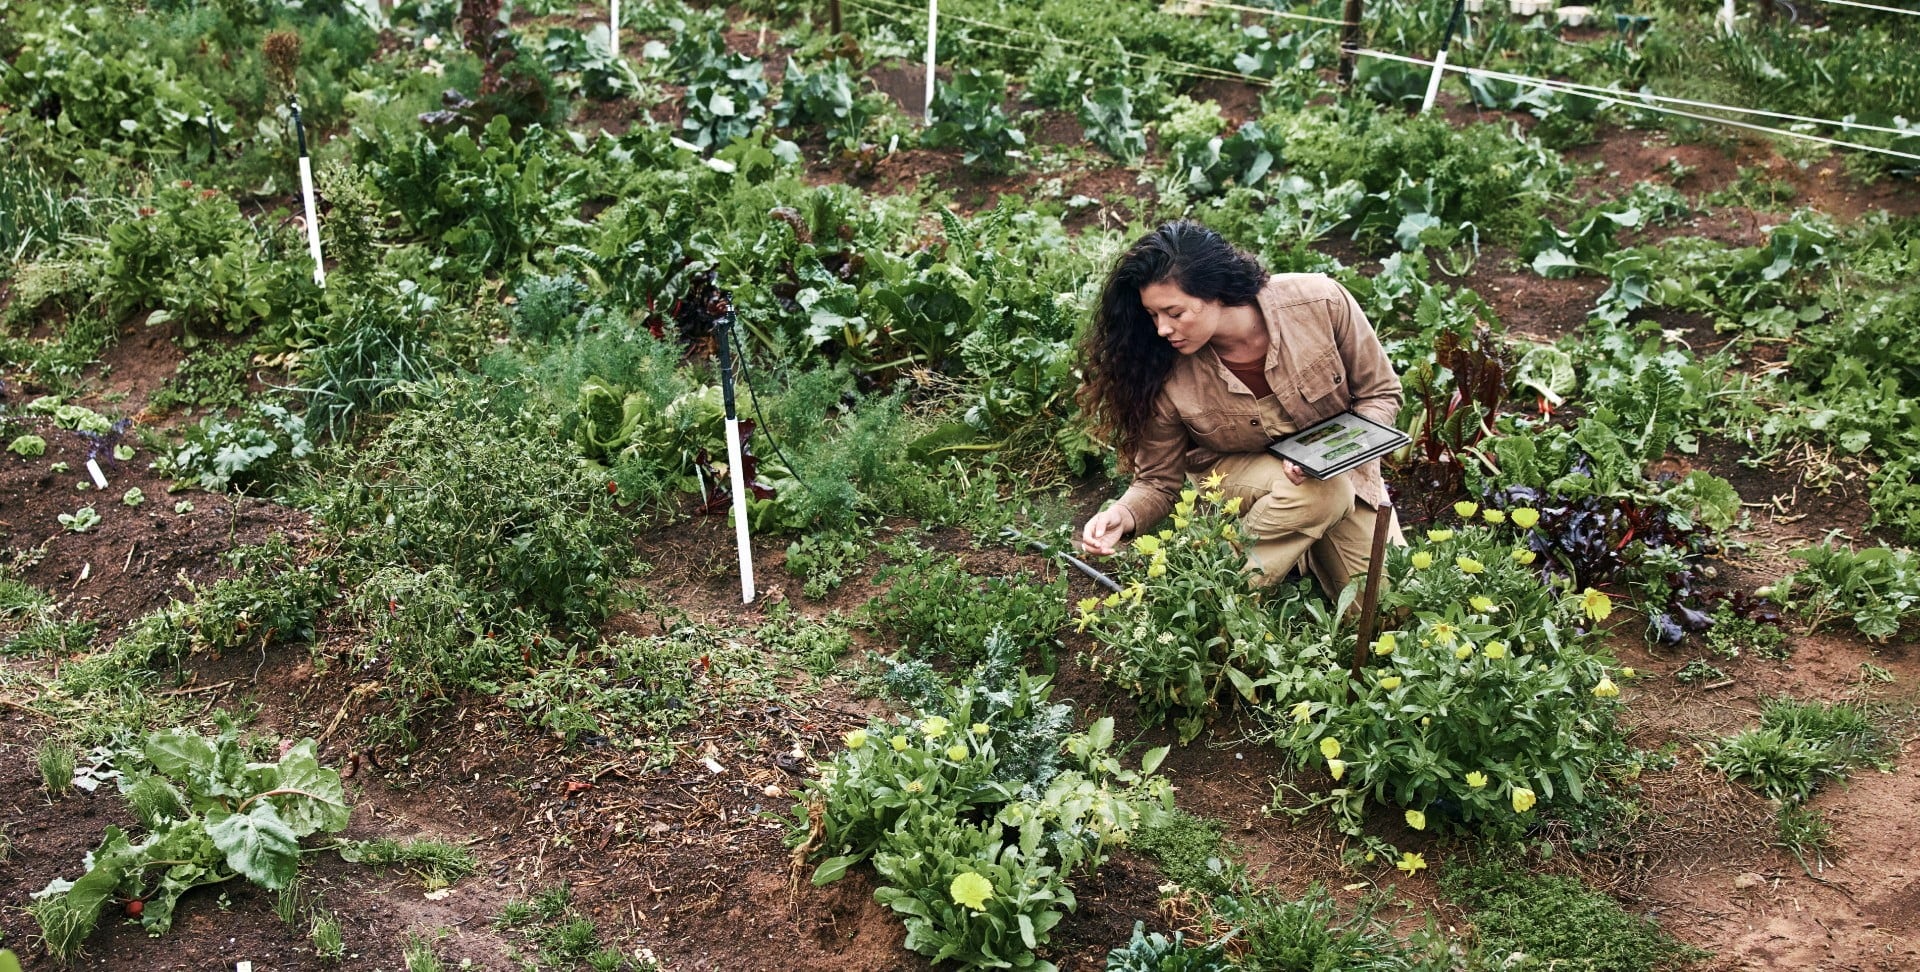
1016 537
736 468
306 195
1440 59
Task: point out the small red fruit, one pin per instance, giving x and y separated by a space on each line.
134 908
613 488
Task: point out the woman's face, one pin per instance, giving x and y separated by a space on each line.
1185 321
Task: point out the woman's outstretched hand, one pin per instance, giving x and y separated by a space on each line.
1104 529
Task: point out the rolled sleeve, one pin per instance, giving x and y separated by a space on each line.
1370 378
1159 468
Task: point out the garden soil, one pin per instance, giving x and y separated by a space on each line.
691 862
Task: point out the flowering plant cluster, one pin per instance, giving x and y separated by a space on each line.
977 865
1486 700
1189 624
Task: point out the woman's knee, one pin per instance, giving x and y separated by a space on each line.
1310 507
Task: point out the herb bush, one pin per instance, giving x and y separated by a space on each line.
463 483
977 863
1556 922
941 609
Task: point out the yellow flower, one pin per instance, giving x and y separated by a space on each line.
1212 495
1416 820
1443 633
1494 516
1463 653
1628 673
1464 508
1522 555
899 743
1390 683
1595 604
1468 565
856 739
1232 507
1330 747
1336 768
1302 711
1134 591
1411 863
1523 799
1146 544
1386 644
980 729
1525 517
1606 689
1476 780
1481 603
956 752
971 890
1214 479
1157 569
1088 605
1496 649
915 786
1422 560
935 726
1112 600
1439 536
1229 532
1180 522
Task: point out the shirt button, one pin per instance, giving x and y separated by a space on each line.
1254 422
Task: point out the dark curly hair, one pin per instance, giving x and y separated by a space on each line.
1125 359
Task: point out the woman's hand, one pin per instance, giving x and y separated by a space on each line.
1294 474
1104 529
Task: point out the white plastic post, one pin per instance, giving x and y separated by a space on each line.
933 27
737 474
613 30
313 221
1433 82
1726 16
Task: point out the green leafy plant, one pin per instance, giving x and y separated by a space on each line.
28 445
1877 589
967 114
81 520
1107 114
211 816
436 863
1558 922
1798 746
941 609
254 450
56 763
1158 953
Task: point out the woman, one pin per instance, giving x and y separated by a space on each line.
1197 359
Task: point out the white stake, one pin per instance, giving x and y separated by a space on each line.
933 27
737 473
306 196
1433 82
1726 16
613 30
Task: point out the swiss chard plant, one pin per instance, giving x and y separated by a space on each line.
208 815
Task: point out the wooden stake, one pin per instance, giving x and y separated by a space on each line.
1349 42
1370 594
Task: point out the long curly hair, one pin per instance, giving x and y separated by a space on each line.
1125 360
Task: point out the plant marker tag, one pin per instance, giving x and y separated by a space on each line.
243 967
99 478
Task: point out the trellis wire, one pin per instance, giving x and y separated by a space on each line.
1266 12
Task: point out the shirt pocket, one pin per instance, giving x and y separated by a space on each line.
1324 376
1225 430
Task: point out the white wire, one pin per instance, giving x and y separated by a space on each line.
1263 11
1626 98
1872 6
1668 99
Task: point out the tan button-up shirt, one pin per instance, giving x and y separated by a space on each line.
1322 359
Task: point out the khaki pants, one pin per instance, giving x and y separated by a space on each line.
1319 520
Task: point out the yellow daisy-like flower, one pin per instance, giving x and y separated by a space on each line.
956 752
1463 653
1187 496
1481 603
1421 560
980 729
1523 799
1606 689
1476 779
1439 536
1214 479
1411 863
1390 683
935 726
1146 544
1229 531
1468 565
856 739
1232 506
1628 673
1416 819
899 743
1302 711
1336 768
970 890
1443 633
1494 516
1088 605
1330 747
1386 644
1212 495
1496 649
1525 517
1464 508
915 786
1522 555
1157 569
1180 522
1596 604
